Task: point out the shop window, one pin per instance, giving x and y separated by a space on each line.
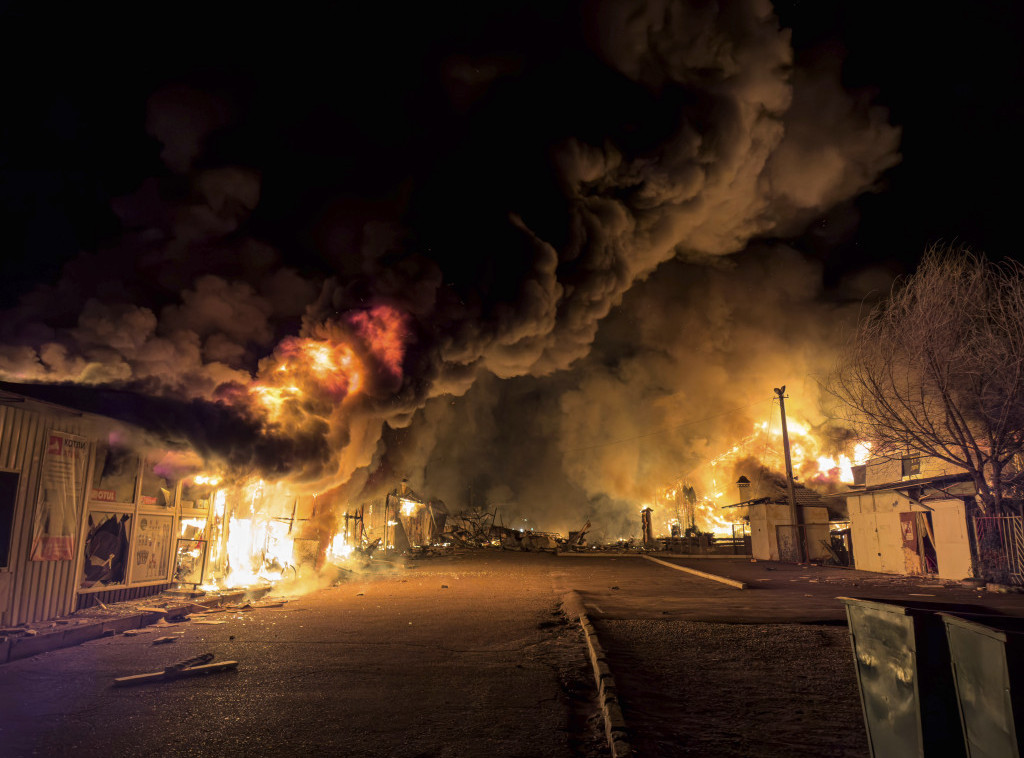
8 498
151 552
106 549
190 561
158 486
196 494
192 528
115 474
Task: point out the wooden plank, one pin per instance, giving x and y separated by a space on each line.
714 577
170 675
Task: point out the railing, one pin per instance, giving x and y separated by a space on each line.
1000 545
706 544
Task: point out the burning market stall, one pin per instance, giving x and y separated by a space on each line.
402 521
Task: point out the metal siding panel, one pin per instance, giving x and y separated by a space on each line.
14 431
40 589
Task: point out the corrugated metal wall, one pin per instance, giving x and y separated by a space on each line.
37 590
90 599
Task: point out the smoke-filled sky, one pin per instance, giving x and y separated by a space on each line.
558 254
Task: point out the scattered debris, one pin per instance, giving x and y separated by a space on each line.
212 621
201 664
134 632
151 609
165 640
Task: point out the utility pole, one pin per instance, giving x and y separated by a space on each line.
793 514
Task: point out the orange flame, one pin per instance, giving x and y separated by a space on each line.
384 330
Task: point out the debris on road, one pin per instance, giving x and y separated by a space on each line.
165 640
201 664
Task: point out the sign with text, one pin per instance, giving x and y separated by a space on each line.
61 479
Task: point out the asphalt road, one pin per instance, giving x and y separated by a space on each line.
470 656
455 657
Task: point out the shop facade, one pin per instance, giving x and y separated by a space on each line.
85 518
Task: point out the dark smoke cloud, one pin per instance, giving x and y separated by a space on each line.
550 196
679 373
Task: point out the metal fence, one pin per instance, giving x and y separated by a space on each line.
1000 548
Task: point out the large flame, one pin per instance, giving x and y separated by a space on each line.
713 486
322 372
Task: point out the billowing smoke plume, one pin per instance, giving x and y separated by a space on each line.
547 199
680 372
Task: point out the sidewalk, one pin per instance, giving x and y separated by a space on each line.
30 639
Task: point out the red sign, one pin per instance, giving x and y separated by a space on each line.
107 496
56 446
148 500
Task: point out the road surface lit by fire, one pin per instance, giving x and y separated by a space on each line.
461 656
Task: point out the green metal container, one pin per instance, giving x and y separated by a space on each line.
905 679
987 653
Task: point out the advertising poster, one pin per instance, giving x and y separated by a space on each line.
152 548
62 477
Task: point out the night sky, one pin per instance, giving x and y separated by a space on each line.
597 217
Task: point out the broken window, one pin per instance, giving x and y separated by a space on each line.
911 465
158 486
115 474
106 548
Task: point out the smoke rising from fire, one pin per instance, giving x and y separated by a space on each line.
549 209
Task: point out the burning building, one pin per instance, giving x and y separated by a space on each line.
497 297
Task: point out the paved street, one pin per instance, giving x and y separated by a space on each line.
395 665
470 656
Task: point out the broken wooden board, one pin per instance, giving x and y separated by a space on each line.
171 674
165 640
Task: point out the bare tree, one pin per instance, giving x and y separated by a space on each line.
938 368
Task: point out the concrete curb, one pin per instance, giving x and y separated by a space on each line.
601 554
714 577
614 722
17 648
595 554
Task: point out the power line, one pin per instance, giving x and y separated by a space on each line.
667 429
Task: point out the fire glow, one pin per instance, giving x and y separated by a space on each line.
714 487
330 366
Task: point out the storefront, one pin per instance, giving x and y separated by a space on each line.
87 518
144 528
